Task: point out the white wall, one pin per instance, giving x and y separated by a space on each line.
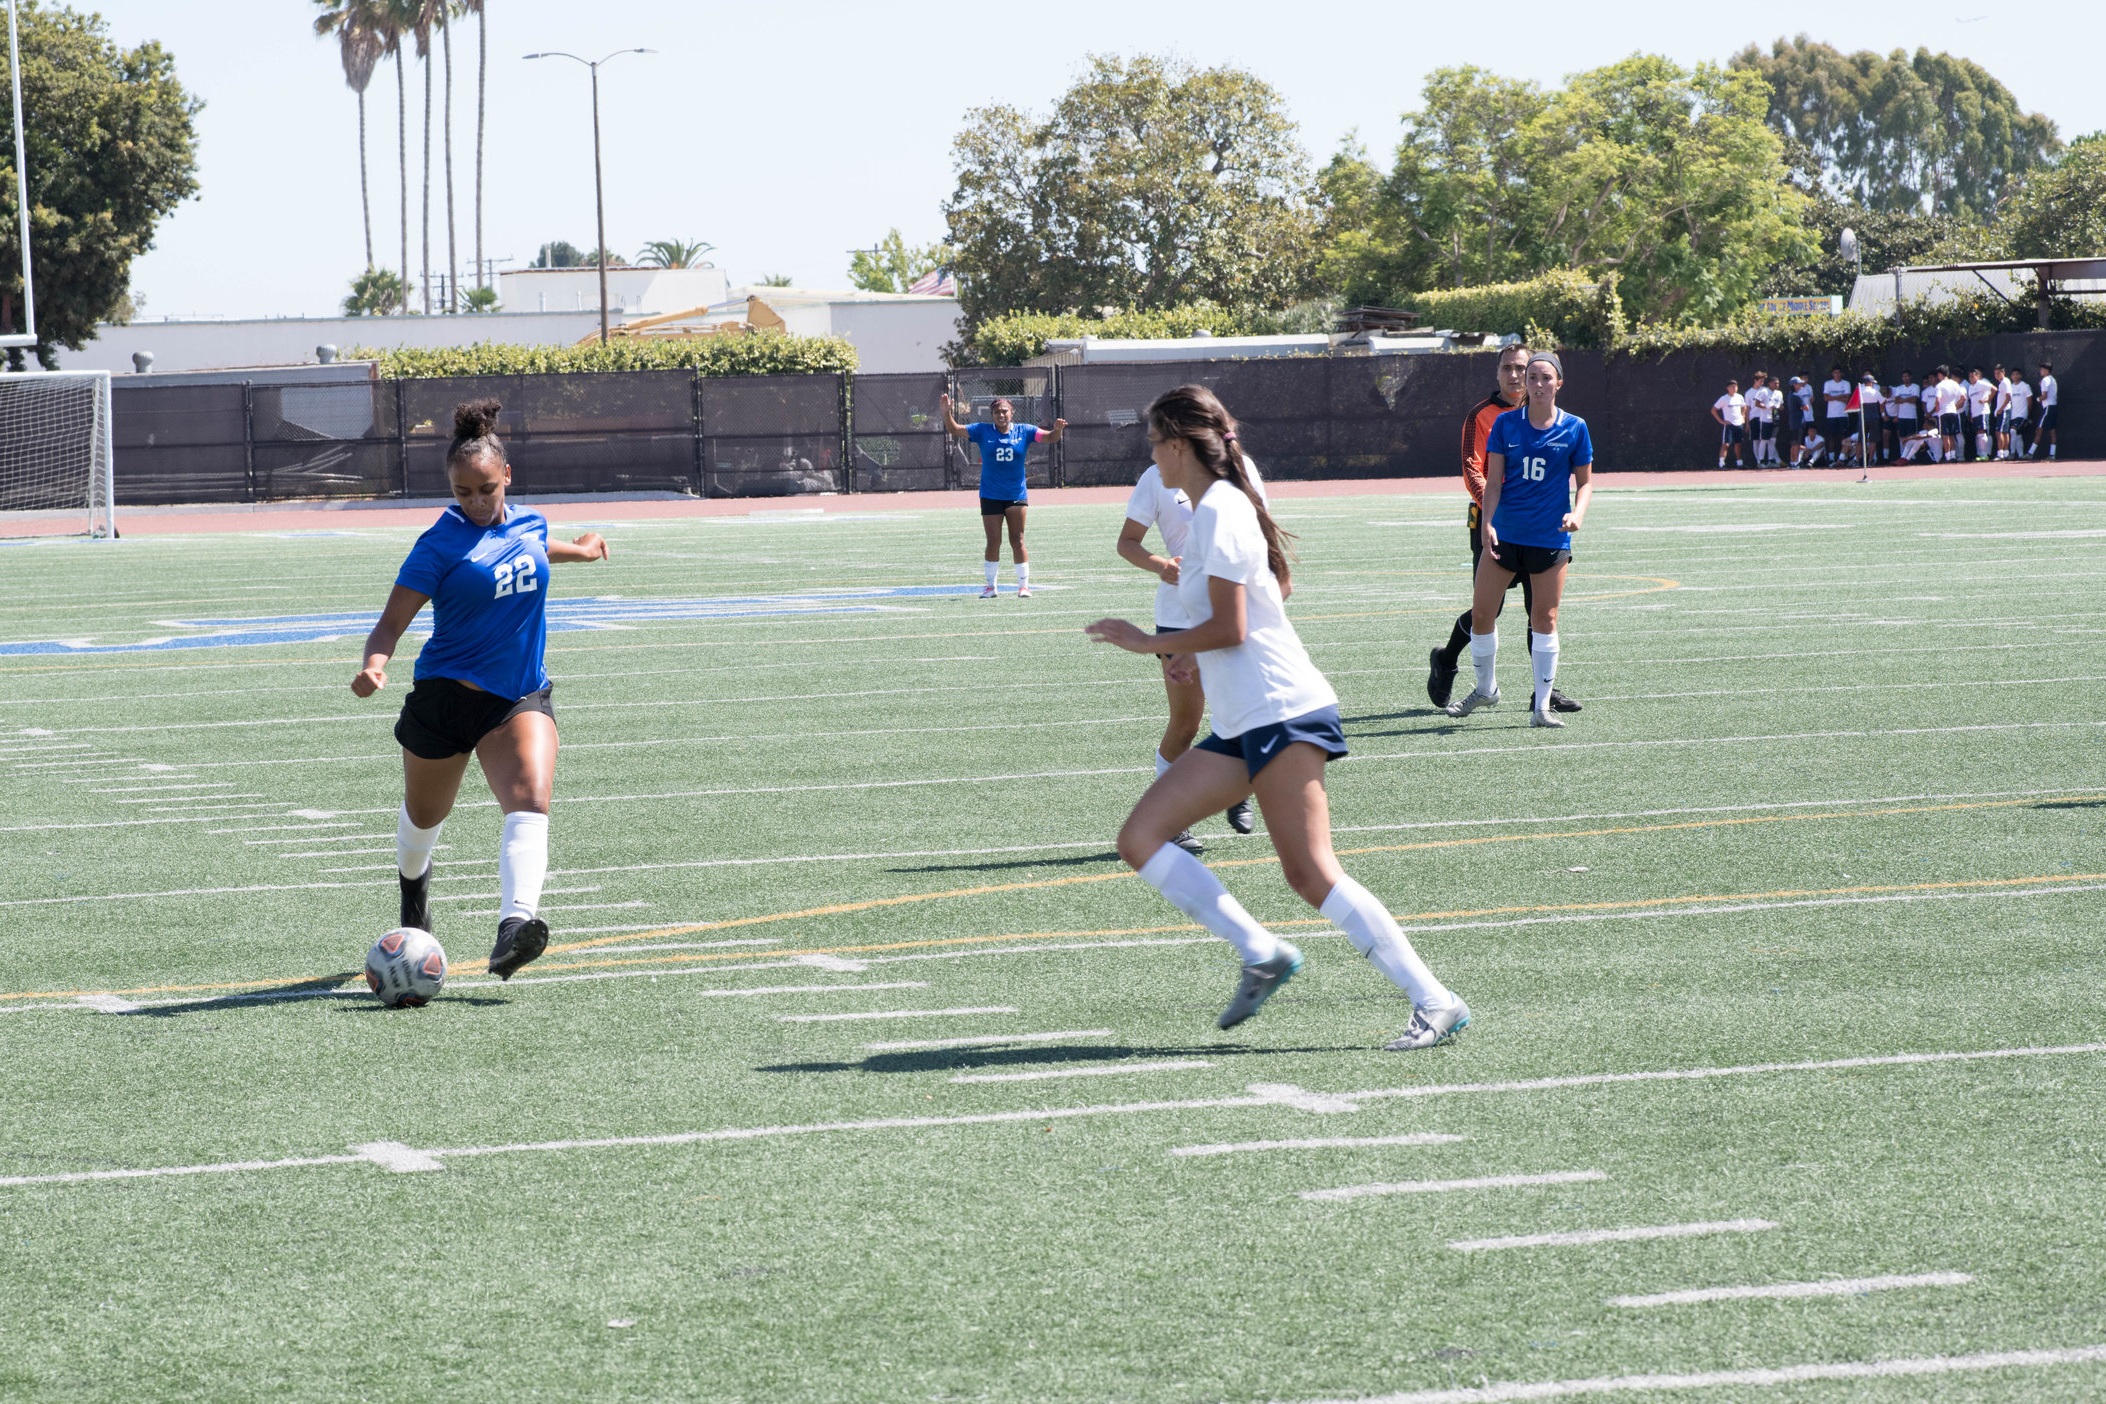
897 336
639 292
290 341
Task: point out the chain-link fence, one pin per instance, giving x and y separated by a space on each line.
674 431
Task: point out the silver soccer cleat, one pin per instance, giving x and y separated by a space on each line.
1258 983
1477 698
1543 718
1428 1030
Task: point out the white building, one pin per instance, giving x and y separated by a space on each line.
631 292
891 332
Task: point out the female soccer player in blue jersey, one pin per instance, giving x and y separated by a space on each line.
1275 727
480 685
1535 455
1003 445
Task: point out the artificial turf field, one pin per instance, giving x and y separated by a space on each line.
1825 842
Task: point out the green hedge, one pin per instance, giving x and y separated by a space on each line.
1562 309
761 353
1856 337
1015 337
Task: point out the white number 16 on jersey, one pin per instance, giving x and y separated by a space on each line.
516 575
1531 469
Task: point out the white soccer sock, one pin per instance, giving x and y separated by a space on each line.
1023 574
413 845
522 864
1373 932
1543 654
1161 765
991 567
1196 892
1484 655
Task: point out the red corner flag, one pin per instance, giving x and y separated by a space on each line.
1855 402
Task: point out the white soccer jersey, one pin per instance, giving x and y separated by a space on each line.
1906 399
1154 503
1980 395
1762 404
1734 407
2048 389
1837 393
1950 397
1268 677
2003 396
1869 397
1805 394
2021 399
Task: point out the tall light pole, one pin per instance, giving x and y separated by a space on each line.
599 193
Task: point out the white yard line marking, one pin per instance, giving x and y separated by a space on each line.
1556 1177
1845 1287
301 829
562 907
313 838
1582 1237
396 1157
708 994
493 896
1411 1138
1113 1070
1261 1096
899 1014
157 800
1753 1379
677 945
108 1003
163 789
911 1045
820 961
1286 1094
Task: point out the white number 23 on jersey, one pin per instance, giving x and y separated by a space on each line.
1531 469
516 575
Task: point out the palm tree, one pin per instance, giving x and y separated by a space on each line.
482 65
453 258
360 45
427 13
673 253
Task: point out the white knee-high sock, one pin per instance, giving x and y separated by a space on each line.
1196 892
1543 654
1484 654
413 845
990 567
1161 765
522 864
1369 926
1023 572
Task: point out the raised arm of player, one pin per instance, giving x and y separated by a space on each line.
1056 433
950 421
1583 478
402 606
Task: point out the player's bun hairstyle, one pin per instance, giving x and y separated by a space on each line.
475 432
1194 414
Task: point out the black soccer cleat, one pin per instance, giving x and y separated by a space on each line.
416 901
1440 677
519 940
1559 702
1239 817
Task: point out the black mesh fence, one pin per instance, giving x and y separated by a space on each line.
673 431
772 435
898 441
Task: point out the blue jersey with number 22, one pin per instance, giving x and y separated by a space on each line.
1002 458
489 600
1536 492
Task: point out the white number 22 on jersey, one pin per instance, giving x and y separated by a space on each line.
1531 469
516 575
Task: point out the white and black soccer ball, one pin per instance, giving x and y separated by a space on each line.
406 967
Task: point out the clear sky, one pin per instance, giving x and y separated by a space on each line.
789 133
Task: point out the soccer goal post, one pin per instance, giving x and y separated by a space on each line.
56 453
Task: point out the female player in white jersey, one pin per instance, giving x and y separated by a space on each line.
1155 504
1275 727
480 685
1534 457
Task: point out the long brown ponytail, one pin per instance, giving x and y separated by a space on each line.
1193 413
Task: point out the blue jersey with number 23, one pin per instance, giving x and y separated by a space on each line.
1536 492
489 600
1002 458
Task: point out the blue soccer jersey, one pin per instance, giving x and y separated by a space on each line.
1002 458
489 600
1536 492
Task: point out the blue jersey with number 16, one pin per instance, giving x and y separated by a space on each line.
489 600
1536 492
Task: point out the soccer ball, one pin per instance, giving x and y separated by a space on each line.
406 967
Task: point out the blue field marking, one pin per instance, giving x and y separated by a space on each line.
564 616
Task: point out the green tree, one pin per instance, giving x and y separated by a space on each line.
2060 212
559 253
376 293
894 265
483 299
111 151
1151 184
674 253
1897 133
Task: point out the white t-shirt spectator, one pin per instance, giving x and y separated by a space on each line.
1805 394
1869 397
1762 404
2021 399
1837 393
2048 390
2003 395
1734 407
1930 398
1980 395
1905 398
1154 503
1951 396
1268 677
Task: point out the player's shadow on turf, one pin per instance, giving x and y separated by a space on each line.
1109 856
1442 724
963 1059
344 987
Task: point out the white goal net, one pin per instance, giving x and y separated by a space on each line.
55 453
